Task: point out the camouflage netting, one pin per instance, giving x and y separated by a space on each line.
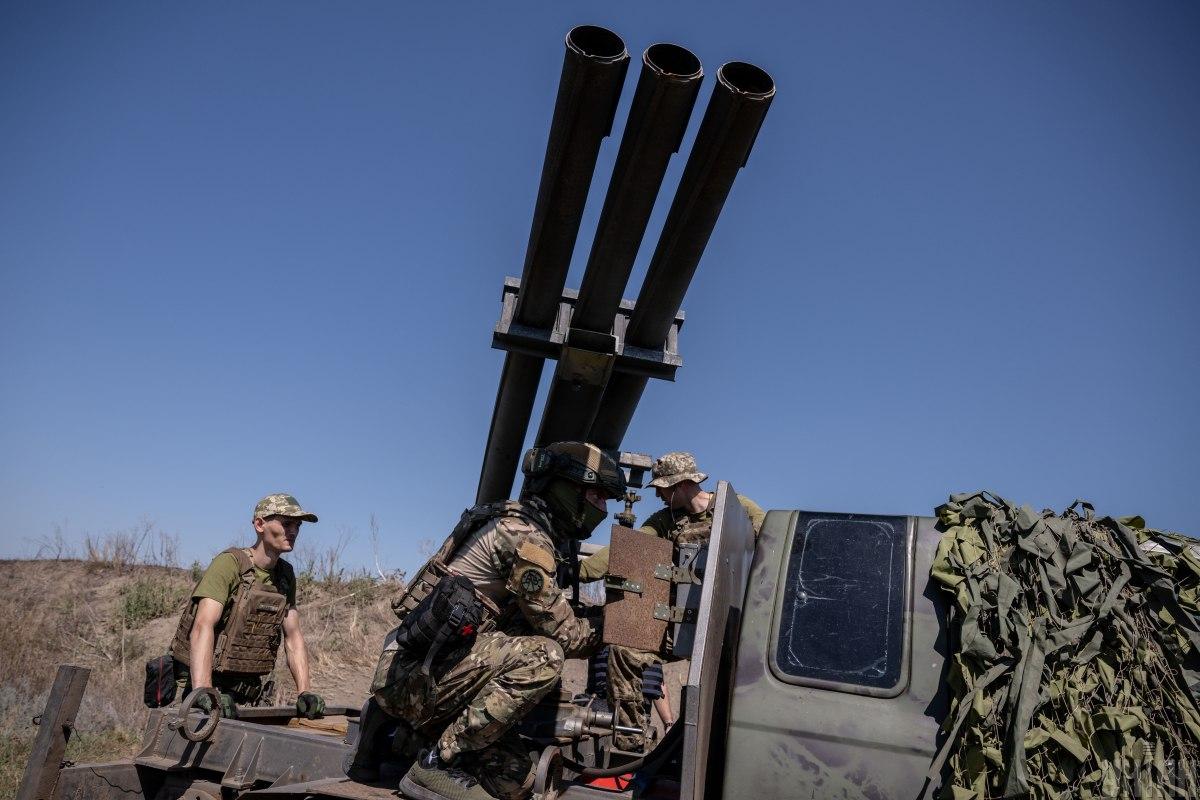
1077 642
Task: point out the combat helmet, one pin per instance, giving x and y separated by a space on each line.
560 472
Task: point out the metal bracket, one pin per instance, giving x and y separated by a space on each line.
674 574
512 336
674 613
623 585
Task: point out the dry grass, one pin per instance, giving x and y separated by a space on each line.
83 748
111 613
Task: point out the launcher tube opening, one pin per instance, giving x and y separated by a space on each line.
596 43
746 79
672 61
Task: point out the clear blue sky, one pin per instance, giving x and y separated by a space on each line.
259 246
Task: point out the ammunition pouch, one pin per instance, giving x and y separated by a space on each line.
442 624
427 581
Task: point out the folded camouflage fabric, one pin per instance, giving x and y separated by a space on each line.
1076 654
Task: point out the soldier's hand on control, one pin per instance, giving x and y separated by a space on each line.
205 703
310 705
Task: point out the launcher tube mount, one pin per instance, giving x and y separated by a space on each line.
593 73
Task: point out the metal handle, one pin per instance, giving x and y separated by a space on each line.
214 715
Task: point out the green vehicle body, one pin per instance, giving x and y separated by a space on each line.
811 739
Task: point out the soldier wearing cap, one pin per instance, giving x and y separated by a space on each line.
243 605
687 518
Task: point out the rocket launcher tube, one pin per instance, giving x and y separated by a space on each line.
662 104
593 72
735 113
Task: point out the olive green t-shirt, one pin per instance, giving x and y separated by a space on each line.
223 576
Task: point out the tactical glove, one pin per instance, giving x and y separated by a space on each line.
310 705
205 703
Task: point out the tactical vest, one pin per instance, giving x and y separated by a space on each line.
248 635
687 531
436 567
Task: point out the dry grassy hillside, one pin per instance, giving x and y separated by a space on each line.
112 616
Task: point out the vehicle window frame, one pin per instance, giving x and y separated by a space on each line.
773 640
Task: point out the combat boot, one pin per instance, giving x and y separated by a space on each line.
429 778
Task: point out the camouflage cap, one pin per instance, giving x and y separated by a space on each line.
282 505
675 467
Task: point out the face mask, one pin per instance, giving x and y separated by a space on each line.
572 510
592 517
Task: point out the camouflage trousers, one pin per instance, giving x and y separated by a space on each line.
471 706
629 704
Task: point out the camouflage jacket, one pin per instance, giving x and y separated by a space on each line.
676 526
511 560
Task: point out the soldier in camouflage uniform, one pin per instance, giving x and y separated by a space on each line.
687 518
466 708
241 608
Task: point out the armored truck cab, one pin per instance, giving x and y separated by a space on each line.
838 687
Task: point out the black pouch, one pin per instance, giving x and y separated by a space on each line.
160 681
448 618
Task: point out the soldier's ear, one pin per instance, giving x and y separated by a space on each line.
259 524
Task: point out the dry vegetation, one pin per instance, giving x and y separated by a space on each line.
118 605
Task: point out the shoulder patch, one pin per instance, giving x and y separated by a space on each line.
532 581
537 555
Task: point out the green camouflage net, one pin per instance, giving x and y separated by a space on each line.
1077 642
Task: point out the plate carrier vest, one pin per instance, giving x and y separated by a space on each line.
436 567
249 633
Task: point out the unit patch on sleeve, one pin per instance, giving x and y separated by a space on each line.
531 581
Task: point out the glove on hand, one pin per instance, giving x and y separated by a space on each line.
310 705
205 703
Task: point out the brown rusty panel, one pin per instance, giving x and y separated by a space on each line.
629 617
57 723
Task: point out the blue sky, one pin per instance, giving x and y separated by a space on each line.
256 247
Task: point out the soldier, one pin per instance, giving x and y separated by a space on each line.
466 703
687 518
243 605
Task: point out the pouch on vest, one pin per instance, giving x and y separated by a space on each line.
160 682
446 619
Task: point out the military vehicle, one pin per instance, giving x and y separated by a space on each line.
815 653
